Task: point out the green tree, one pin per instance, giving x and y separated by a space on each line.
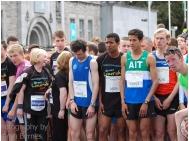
177 14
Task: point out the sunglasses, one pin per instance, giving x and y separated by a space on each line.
172 51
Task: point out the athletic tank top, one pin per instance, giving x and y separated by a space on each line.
82 82
166 77
24 65
137 79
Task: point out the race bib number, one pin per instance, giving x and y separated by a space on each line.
134 79
37 102
80 88
3 88
112 84
54 67
163 75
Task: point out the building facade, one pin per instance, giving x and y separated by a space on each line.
36 21
31 22
120 18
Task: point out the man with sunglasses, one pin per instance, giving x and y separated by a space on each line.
166 95
174 58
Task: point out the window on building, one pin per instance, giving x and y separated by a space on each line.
90 29
81 28
72 30
72 20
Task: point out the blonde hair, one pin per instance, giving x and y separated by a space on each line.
95 39
160 30
63 61
34 55
16 48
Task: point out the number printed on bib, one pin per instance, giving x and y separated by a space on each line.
3 88
163 75
112 84
134 79
37 102
80 88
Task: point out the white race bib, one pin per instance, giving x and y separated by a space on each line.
134 79
112 84
163 75
54 67
37 102
3 88
80 88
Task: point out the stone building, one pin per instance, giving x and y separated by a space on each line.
36 21
31 22
86 17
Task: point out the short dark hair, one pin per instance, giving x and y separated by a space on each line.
11 38
136 32
115 36
102 47
32 46
181 36
173 50
173 42
4 44
78 44
92 47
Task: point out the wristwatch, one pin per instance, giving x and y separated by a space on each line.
146 102
93 104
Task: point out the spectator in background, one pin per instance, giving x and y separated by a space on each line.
173 42
101 48
12 40
147 44
92 49
182 44
161 25
124 45
96 40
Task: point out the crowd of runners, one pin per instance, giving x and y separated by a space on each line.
131 88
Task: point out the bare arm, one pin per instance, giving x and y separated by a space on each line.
95 79
124 108
21 95
21 100
11 84
73 105
168 100
63 98
71 90
151 62
122 79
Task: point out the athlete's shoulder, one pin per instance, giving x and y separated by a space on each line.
100 58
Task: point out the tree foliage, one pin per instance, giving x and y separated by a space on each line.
177 14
